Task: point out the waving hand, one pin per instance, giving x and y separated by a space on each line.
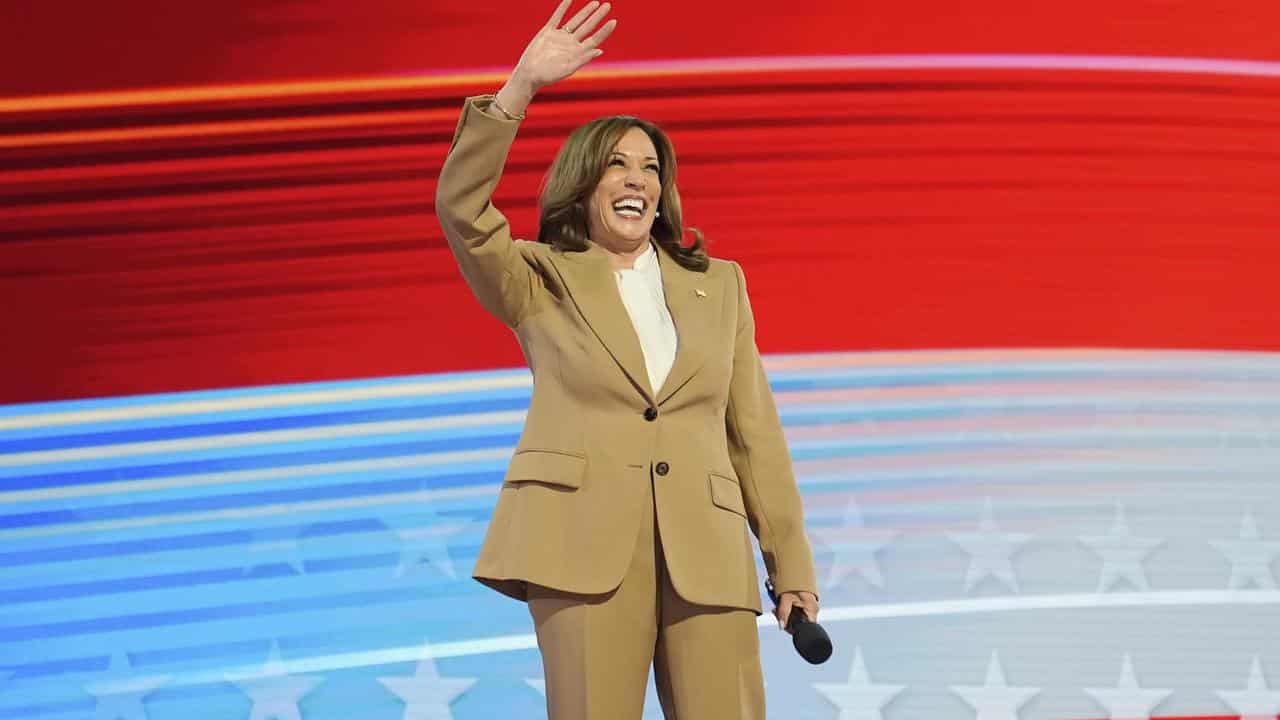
557 51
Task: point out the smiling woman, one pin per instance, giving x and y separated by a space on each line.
652 442
603 163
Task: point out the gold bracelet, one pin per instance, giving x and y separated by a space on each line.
503 110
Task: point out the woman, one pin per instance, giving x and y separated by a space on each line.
652 441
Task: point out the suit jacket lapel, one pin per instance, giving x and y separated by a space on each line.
590 281
693 314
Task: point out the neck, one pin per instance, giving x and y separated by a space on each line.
624 259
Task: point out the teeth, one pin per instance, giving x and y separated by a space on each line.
629 204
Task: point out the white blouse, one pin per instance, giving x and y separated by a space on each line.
641 290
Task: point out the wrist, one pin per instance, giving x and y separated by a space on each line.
512 99
520 84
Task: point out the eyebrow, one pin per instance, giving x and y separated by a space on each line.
619 152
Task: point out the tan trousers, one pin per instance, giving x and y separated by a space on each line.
596 649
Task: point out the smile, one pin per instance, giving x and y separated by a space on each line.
630 207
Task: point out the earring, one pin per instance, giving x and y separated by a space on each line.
657 213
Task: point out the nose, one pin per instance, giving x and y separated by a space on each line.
635 179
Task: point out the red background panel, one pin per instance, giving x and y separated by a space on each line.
64 46
229 231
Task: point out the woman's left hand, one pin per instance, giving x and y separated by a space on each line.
804 599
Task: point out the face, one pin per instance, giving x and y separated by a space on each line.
620 211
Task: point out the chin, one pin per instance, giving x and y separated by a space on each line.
635 235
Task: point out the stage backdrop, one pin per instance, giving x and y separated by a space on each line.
1013 265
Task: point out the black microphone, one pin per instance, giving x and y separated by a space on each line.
811 641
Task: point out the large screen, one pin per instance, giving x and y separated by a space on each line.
1013 268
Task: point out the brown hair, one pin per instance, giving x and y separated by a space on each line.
577 169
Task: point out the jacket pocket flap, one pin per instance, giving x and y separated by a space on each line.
546 466
726 493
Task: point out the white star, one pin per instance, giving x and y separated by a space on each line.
991 551
426 695
1122 554
1256 701
273 547
1250 556
275 693
858 699
995 699
855 547
120 694
1126 700
427 543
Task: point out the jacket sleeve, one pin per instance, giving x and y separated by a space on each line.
478 234
758 451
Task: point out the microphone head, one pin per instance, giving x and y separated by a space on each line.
812 642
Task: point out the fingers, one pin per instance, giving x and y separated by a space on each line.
784 610
788 600
810 603
595 40
579 16
558 15
590 24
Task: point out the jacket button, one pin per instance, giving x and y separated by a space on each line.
661 468
650 414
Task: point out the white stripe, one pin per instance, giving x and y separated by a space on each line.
508 643
1121 403
913 467
1118 402
101 452
406 462
1108 63
989 362
1107 423
420 496
411 653
259 402
737 64
954 359
960 437
1078 601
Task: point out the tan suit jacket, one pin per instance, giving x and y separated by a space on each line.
570 506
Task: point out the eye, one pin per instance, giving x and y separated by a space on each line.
654 168
616 161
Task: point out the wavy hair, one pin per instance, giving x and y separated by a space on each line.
577 169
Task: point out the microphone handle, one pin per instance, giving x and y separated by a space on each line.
773 594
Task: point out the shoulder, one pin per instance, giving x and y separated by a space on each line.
728 272
721 267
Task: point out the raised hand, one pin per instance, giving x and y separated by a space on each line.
557 51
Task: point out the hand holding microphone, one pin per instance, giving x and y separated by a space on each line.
810 640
